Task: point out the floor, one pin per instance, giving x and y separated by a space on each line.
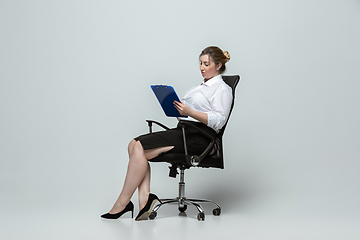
242 223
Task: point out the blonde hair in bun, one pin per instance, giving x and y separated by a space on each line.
217 56
227 55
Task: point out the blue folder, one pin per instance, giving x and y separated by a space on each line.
166 96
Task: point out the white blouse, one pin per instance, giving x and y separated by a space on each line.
213 97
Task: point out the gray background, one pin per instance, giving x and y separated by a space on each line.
74 90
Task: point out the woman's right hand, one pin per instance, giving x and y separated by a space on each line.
183 109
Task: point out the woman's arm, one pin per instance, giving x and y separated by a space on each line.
220 105
188 111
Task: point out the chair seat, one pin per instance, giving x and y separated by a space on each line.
179 159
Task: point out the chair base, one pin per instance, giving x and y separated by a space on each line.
182 202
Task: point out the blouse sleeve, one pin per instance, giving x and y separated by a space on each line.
220 104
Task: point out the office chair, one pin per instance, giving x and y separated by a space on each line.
211 157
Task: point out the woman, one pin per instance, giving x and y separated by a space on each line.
207 106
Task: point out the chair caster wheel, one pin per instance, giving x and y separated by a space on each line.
217 211
152 215
183 209
201 216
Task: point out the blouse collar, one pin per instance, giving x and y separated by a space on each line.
213 80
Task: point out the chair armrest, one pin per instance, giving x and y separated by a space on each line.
195 160
186 123
150 122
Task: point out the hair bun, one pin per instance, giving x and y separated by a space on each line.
227 55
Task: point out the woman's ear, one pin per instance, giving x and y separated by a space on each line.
218 66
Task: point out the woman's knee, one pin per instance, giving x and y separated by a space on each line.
136 148
131 145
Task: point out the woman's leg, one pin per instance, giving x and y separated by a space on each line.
137 176
144 187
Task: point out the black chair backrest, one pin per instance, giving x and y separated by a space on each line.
232 81
215 159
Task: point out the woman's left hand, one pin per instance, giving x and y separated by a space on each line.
183 109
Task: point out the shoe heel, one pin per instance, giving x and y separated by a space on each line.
146 211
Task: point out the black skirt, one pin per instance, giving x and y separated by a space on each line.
196 142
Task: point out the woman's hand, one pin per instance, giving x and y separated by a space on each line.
183 109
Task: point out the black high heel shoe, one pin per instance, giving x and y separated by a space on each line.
145 212
129 207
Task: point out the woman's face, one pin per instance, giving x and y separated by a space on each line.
208 68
